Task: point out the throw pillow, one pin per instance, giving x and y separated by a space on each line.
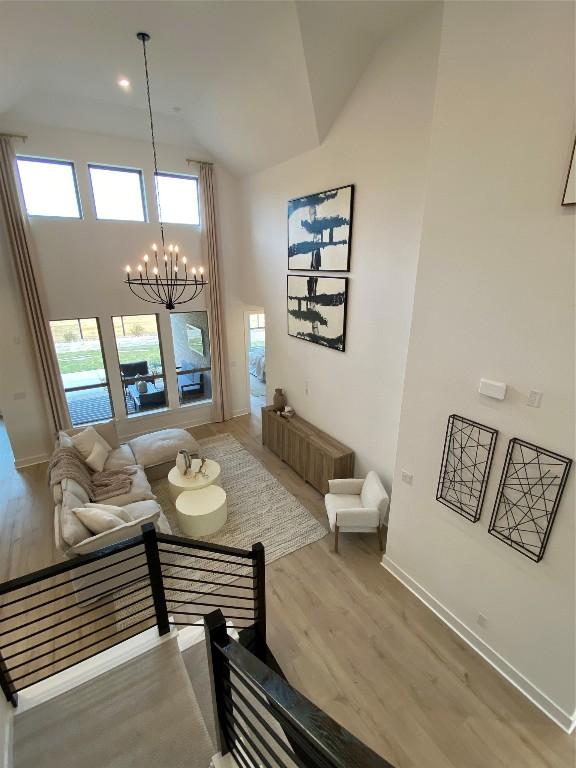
121 512
64 440
97 458
98 520
85 441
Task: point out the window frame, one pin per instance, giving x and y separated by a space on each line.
88 386
124 169
52 161
150 377
183 371
187 176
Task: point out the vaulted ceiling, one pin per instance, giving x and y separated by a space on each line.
252 82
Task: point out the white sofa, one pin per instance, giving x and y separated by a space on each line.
354 505
153 455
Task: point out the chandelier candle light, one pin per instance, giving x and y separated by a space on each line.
167 279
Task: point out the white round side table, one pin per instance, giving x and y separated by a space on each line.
202 512
179 483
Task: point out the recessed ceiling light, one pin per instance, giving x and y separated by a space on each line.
124 82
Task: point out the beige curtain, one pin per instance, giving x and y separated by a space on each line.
19 240
220 384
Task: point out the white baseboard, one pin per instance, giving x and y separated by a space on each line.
240 412
29 461
553 711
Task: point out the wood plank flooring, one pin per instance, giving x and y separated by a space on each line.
349 636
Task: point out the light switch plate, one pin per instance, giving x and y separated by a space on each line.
534 398
407 477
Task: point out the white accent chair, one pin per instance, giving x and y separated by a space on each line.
357 506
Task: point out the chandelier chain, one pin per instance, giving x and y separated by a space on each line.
174 286
153 141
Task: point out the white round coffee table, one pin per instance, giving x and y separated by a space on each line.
179 483
202 512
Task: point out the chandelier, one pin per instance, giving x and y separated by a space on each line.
165 277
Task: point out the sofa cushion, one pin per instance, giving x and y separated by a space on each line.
163 446
76 489
140 490
143 511
121 457
99 518
122 532
85 441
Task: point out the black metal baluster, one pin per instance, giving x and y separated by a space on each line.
219 671
156 582
7 685
260 599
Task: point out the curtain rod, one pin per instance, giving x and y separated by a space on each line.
205 162
13 136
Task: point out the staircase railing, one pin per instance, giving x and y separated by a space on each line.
264 722
55 618
62 615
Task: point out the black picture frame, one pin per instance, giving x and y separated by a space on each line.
466 462
570 179
339 344
296 204
529 494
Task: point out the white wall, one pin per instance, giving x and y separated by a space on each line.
495 298
82 263
379 143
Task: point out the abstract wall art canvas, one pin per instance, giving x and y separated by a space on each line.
320 231
569 197
529 494
466 460
317 309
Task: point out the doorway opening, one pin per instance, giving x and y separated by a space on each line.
256 342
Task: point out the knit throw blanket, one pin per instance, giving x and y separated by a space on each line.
68 463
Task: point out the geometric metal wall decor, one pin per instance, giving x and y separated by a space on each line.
466 460
569 196
531 486
320 230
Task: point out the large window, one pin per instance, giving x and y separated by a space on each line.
192 355
79 353
49 187
177 198
257 330
118 193
141 365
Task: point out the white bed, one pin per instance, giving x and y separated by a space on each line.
257 363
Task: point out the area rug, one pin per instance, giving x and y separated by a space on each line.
259 507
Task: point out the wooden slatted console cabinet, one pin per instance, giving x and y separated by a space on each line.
313 454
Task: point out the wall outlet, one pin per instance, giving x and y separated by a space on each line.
534 398
481 620
407 477
19 395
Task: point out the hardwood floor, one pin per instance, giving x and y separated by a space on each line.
349 636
